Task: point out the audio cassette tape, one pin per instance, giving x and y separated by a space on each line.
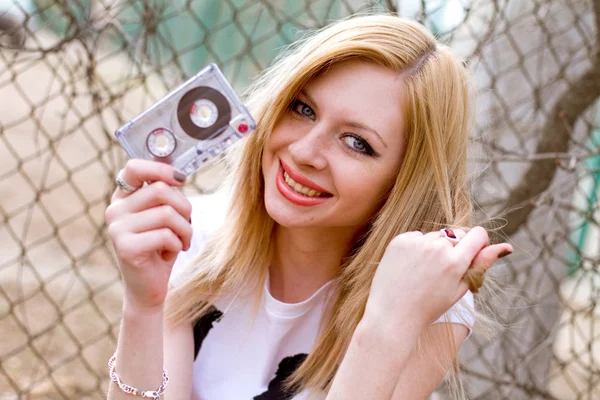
191 125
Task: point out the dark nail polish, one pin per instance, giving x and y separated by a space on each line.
179 176
504 253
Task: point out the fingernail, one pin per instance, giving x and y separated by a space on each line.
504 253
179 176
190 220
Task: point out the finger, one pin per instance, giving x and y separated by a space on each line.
403 238
411 234
489 255
438 235
433 235
469 246
138 171
153 195
158 218
163 241
452 233
459 233
474 276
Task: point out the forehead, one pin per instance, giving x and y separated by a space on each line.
361 91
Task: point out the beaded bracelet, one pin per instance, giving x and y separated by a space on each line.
155 394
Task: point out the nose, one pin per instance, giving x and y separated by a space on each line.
310 149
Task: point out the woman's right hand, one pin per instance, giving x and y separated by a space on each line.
149 228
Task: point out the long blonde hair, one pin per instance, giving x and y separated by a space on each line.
429 191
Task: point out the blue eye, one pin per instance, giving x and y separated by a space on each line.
301 108
358 144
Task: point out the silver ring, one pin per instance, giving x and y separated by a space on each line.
449 234
124 186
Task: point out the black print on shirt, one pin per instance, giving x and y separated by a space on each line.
203 326
276 390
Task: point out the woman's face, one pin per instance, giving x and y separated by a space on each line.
333 156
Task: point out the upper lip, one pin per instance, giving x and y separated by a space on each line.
302 180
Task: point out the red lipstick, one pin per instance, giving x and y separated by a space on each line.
295 197
302 180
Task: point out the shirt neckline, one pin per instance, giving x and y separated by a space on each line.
293 310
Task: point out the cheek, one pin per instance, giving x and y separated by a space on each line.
370 184
371 187
286 131
272 145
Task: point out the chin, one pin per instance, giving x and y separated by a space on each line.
281 215
286 215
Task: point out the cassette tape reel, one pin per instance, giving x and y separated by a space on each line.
191 125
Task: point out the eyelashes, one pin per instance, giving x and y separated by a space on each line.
303 109
358 144
351 141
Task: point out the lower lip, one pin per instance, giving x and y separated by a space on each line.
294 196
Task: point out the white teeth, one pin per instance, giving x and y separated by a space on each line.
300 188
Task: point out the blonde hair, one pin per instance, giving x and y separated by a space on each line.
430 190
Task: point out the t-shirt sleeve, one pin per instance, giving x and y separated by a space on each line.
461 313
207 216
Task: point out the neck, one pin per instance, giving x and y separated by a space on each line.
305 259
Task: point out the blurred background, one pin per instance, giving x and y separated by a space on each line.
72 71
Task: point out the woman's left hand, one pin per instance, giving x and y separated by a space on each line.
421 276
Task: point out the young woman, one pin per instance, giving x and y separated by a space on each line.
327 275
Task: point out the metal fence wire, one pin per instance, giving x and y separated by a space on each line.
71 72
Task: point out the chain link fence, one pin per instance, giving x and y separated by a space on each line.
71 72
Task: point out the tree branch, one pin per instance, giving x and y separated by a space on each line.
555 139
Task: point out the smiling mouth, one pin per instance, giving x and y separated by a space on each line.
301 189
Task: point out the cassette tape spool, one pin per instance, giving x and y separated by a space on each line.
201 110
161 142
191 125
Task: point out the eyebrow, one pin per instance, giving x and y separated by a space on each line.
349 123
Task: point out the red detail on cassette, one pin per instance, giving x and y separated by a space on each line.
242 128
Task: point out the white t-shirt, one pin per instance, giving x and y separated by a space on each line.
242 355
